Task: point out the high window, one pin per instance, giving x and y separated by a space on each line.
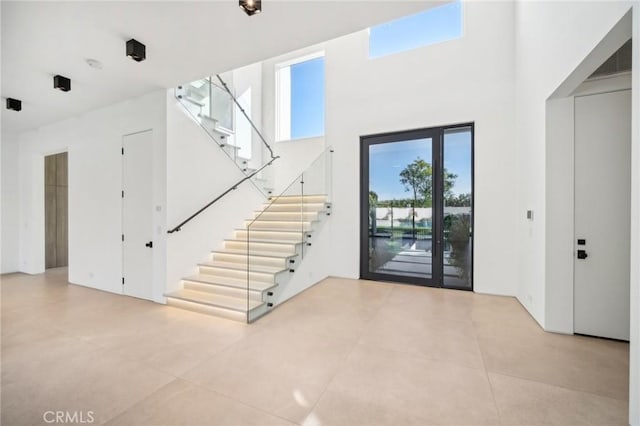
432 26
300 98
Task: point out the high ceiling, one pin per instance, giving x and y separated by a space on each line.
185 41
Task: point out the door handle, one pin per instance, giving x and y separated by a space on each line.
149 244
582 254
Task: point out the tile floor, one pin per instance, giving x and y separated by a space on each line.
344 352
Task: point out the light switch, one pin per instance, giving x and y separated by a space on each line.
530 214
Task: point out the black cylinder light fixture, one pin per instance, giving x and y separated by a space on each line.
251 7
136 50
14 104
61 83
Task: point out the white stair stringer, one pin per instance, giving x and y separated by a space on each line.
239 279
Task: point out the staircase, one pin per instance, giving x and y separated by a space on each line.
242 279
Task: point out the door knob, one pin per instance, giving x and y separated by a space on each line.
582 254
149 244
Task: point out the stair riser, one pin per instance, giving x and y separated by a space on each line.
206 309
238 274
223 291
274 248
306 199
241 260
285 226
293 207
217 280
256 235
286 216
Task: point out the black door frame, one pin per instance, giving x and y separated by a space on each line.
437 137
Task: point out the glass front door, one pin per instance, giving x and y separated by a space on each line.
416 207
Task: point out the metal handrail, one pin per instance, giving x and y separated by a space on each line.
273 157
232 188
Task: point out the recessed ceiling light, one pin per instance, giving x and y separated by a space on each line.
251 7
94 63
14 104
136 50
61 83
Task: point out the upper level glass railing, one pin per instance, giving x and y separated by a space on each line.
227 120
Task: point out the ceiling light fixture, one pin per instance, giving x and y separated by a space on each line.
61 83
136 50
14 104
251 7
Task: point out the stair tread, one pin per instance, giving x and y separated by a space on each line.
267 216
257 253
271 212
289 225
284 231
279 230
227 302
288 221
274 242
267 205
229 282
243 267
300 196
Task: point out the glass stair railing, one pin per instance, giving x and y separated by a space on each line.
212 104
226 119
277 239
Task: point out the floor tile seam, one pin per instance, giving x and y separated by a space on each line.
234 399
142 398
435 317
338 368
36 325
318 334
68 334
486 373
424 357
223 349
343 362
356 339
134 360
375 315
558 386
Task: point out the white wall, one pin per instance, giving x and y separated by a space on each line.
243 79
552 38
10 205
634 361
559 208
197 172
452 82
93 141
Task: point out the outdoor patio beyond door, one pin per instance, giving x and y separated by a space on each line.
417 207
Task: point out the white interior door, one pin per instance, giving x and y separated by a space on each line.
602 214
137 210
